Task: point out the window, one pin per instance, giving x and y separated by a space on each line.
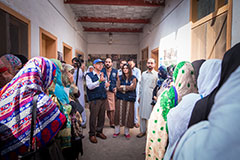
14 32
211 28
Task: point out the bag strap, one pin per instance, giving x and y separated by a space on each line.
33 124
77 75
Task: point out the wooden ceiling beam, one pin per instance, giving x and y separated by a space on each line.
112 20
118 2
112 29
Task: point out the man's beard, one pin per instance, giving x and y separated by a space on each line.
107 66
150 68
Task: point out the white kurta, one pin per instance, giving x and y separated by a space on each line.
80 86
147 84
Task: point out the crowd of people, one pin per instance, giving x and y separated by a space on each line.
186 111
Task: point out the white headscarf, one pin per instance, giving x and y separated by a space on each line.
178 117
217 138
88 70
209 76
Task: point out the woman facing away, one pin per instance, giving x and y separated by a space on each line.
126 96
16 102
157 134
178 117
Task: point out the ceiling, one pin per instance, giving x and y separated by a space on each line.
114 15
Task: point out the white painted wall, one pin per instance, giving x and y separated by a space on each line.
53 16
236 22
123 43
169 28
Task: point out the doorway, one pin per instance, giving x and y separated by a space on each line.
48 44
143 62
154 55
67 53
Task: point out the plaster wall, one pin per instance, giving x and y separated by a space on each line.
122 43
169 31
235 23
53 16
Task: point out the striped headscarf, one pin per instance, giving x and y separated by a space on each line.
16 105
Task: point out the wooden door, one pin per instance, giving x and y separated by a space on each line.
154 55
143 62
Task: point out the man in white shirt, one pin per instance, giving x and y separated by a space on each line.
122 62
148 82
137 73
79 72
97 97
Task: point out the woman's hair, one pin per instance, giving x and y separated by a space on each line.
129 71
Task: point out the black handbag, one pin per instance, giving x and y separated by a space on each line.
51 151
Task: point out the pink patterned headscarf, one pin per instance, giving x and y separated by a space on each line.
16 106
12 63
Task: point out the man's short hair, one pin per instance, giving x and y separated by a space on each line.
131 59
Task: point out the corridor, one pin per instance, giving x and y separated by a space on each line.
113 148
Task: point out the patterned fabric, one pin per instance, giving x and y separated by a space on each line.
162 75
59 89
179 117
169 81
73 91
5 76
157 135
2 64
16 103
184 79
170 70
76 120
217 138
12 63
67 69
124 113
58 93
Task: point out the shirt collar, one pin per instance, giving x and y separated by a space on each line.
95 72
150 71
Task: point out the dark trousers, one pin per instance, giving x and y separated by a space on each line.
97 116
110 115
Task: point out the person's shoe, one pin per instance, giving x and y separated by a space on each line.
127 136
140 135
81 136
84 126
136 125
93 139
101 135
115 135
112 126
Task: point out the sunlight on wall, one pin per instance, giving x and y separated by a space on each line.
176 46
